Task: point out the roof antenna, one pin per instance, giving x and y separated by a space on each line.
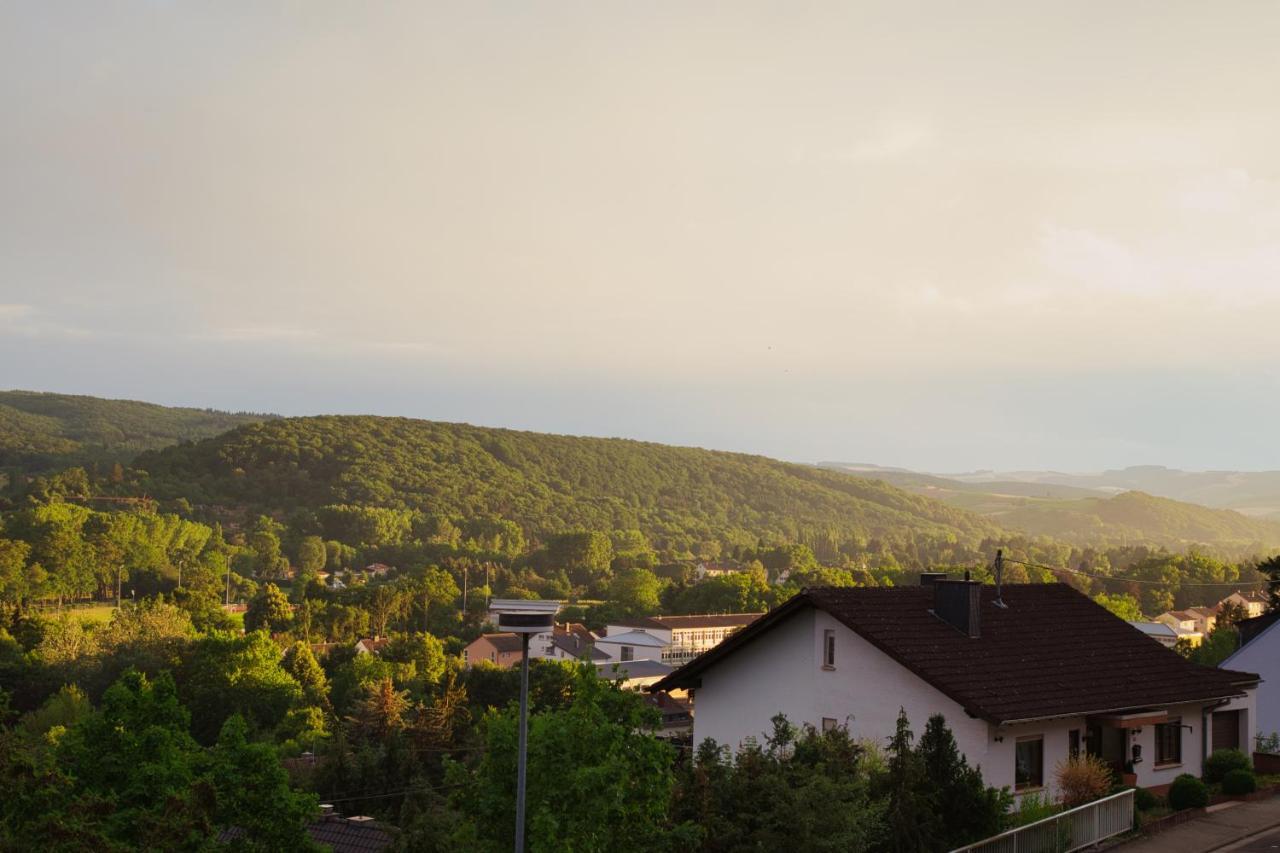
999 602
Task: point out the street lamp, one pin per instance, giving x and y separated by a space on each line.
525 618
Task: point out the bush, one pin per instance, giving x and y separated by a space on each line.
1239 782
1222 762
1144 800
1188 792
1082 779
1032 808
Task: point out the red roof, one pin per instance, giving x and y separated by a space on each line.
1051 652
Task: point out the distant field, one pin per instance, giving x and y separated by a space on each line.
95 615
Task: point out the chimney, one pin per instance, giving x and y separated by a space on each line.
930 578
957 604
326 810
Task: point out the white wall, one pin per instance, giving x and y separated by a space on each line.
1263 657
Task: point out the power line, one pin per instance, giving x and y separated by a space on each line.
1238 582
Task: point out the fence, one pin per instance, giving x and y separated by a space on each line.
1066 831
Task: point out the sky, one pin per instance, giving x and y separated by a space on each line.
946 236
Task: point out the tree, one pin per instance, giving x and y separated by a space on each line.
301 664
269 610
423 651
967 810
312 556
253 794
15 580
225 674
584 555
597 780
911 816
803 790
380 713
1270 567
264 542
1122 605
635 592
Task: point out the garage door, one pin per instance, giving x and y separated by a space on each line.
1226 730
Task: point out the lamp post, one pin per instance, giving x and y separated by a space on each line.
525 618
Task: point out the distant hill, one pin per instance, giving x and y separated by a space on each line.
552 483
1087 516
41 432
1255 493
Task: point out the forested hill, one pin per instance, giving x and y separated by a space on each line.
1085 517
677 496
43 432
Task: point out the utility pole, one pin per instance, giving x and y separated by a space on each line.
521 767
464 590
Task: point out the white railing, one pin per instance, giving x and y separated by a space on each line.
1066 831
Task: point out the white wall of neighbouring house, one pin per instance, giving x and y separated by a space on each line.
772 674
1262 656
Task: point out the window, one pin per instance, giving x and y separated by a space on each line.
628 653
829 649
1073 743
1028 768
828 723
1169 742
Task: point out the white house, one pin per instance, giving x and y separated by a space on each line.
1260 652
631 645
1022 682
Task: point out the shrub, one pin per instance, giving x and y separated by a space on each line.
1222 762
1032 808
1239 782
1144 800
1188 792
1082 779
1267 743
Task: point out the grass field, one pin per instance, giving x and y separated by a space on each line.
94 615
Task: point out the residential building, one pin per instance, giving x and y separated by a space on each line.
704 570
1260 652
1206 617
1163 634
1253 602
371 645
677 716
336 833
632 645
1184 625
1023 680
570 641
503 649
683 637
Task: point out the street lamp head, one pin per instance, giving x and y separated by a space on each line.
519 616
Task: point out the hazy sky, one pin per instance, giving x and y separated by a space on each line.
939 235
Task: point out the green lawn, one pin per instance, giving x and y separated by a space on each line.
94 615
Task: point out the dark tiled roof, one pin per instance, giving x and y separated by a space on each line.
341 834
577 647
504 642
350 835
633 669
1052 652
1250 628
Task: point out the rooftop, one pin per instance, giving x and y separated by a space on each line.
706 620
634 638
1019 668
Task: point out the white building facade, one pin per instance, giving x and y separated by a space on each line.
812 667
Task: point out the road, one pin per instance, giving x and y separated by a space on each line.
1268 841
